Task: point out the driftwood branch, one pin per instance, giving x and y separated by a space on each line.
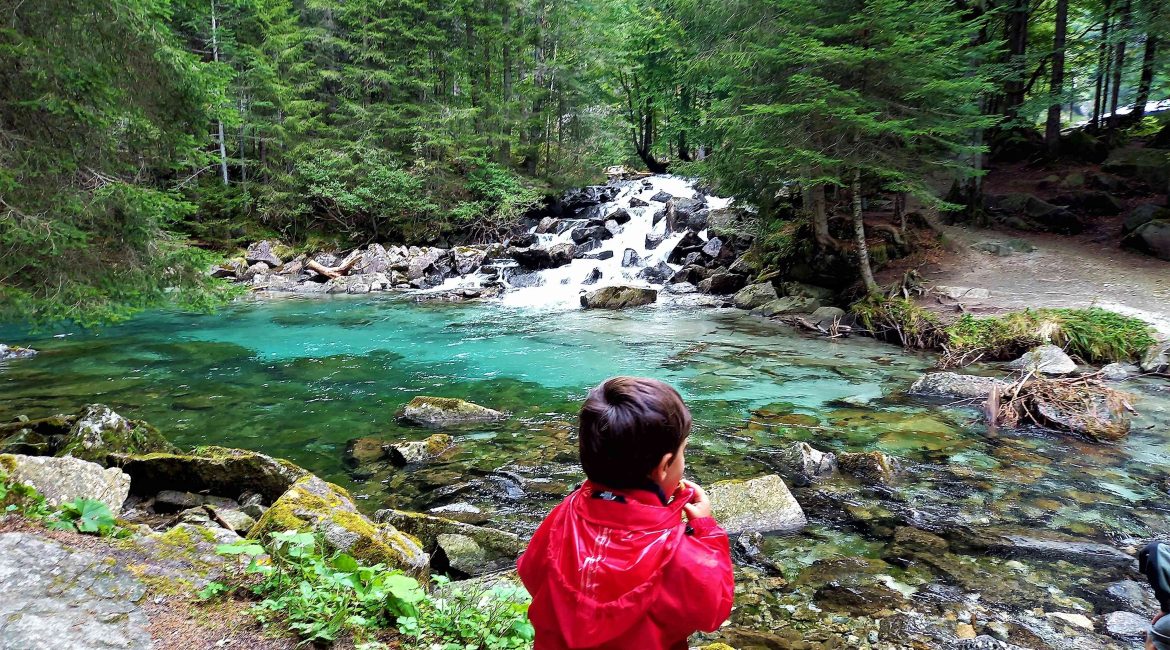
335 271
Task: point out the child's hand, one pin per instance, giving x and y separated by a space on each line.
700 505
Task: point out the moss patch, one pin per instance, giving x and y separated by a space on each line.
1095 335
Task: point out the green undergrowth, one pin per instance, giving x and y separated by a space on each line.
1094 335
322 597
78 516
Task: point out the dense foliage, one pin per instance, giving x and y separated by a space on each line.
136 133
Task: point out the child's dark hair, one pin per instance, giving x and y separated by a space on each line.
627 425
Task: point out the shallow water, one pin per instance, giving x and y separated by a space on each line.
300 378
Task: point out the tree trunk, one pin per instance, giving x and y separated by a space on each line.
1056 89
820 217
1147 80
1017 28
219 122
1119 64
1102 66
859 236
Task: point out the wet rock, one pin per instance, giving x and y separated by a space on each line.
15 352
681 288
543 258
1076 620
692 274
630 258
1118 371
722 283
99 432
688 244
1126 625
638 203
712 248
872 467
985 642
618 297
548 225
478 549
621 216
1097 416
215 470
744 265
1130 595
662 196
598 256
787 305
755 295
361 451
420 451
467 259
653 240
762 505
593 277
613 227
802 464
262 253
1046 359
826 316
955 386
445 411
461 512
657 274
1157 358
311 504
1046 546
61 480
857 598
586 233
59 597
910 542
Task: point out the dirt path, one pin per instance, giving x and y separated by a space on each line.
1089 270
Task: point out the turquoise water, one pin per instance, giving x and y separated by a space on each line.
301 378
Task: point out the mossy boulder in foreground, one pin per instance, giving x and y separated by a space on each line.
761 505
61 480
215 470
312 504
441 411
100 432
464 548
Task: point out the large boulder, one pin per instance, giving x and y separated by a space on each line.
543 258
582 234
100 432
215 470
466 549
311 504
262 252
685 214
446 411
1152 237
467 259
61 480
1026 212
630 258
1091 202
1144 214
1157 358
1045 359
1149 165
662 196
722 283
951 385
690 243
754 295
760 505
1096 415
618 297
802 464
657 274
787 305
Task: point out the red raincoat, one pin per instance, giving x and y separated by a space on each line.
607 575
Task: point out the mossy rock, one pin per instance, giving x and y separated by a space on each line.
100 432
215 470
500 548
311 504
441 411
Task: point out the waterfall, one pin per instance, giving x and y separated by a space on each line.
562 286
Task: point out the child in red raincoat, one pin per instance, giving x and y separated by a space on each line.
632 559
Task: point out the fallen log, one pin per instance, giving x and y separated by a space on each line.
336 271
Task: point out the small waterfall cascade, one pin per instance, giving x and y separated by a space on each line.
616 242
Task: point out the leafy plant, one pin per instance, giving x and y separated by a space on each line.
491 617
80 515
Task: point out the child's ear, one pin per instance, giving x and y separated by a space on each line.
660 471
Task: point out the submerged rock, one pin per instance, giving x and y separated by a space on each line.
618 297
872 467
311 504
956 386
99 432
1126 625
1047 546
754 295
1118 371
803 464
761 504
1046 359
8 352
444 411
61 480
468 549
419 451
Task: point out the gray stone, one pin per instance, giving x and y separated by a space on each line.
722 283
1118 371
985 642
420 451
15 352
1126 625
547 225
661 196
618 297
755 295
594 276
441 411
872 467
66 479
461 554
761 504
657 274
1131 595
613 227
653 240
1144 214
56 597
825 316
489 549
955 386
788 305
802 464
1049 547
962 293
630 258
236 520
254 273
680 288
99 432
1157 358
713 247
261 252
1046 359
1152 237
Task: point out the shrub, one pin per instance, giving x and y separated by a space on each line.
1095 335
899 320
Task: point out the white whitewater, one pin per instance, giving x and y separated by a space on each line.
561 287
